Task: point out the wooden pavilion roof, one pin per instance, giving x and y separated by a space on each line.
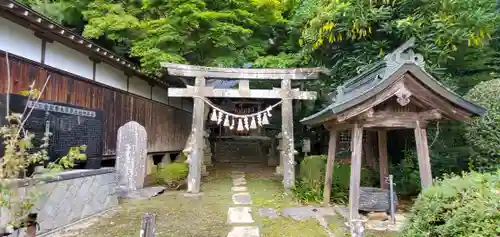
400 72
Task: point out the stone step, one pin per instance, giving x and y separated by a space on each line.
242 199
239 215
244 231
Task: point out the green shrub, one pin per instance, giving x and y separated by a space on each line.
484 133
457 206
311 179
406 175
172 175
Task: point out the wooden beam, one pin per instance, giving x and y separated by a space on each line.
424 163
243 73
390 119
197 131
430 115
371 102
287 133
333 124
355 180
275 93
330 164
382 158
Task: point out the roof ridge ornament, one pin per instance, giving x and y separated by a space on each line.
402 55
405 54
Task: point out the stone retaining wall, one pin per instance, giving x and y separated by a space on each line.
74 195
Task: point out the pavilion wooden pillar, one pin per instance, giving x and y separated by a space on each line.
382 158
330 164
288 149
424 163
355 181
195 158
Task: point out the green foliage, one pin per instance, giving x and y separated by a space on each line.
406 174
458 206
68 161
310 185
173 175
484 133
200 32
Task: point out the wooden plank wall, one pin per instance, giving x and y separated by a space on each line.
167 127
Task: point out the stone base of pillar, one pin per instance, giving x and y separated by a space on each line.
279 170
207 159
204 171
272 161
166 159
149 165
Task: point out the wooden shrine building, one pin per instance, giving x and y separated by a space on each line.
395 93
196 82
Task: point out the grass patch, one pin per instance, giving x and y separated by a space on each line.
291 228
269 193
176 215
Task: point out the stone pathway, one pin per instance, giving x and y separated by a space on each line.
240 216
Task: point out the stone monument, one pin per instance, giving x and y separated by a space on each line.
131 153
207 149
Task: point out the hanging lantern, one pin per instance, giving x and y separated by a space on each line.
226 121
240 125
253 124
219 118
247 127
265 120
213 118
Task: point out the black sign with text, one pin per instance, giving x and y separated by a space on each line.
69 126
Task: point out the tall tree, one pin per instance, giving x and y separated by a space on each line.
220 33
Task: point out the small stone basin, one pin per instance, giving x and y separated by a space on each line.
375 200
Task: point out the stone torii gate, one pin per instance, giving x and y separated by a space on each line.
199 91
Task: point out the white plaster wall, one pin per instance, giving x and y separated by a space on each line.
110 76
160 94
67 59
18 40
139 87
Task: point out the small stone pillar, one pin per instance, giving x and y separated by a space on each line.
131 153
166 159
149 165
207 149
271 155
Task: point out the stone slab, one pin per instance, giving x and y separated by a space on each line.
244 231
239 183
236 172
239 215
242 199
145 193
268 212
299 213
239 179
238 176
239 189
192 195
